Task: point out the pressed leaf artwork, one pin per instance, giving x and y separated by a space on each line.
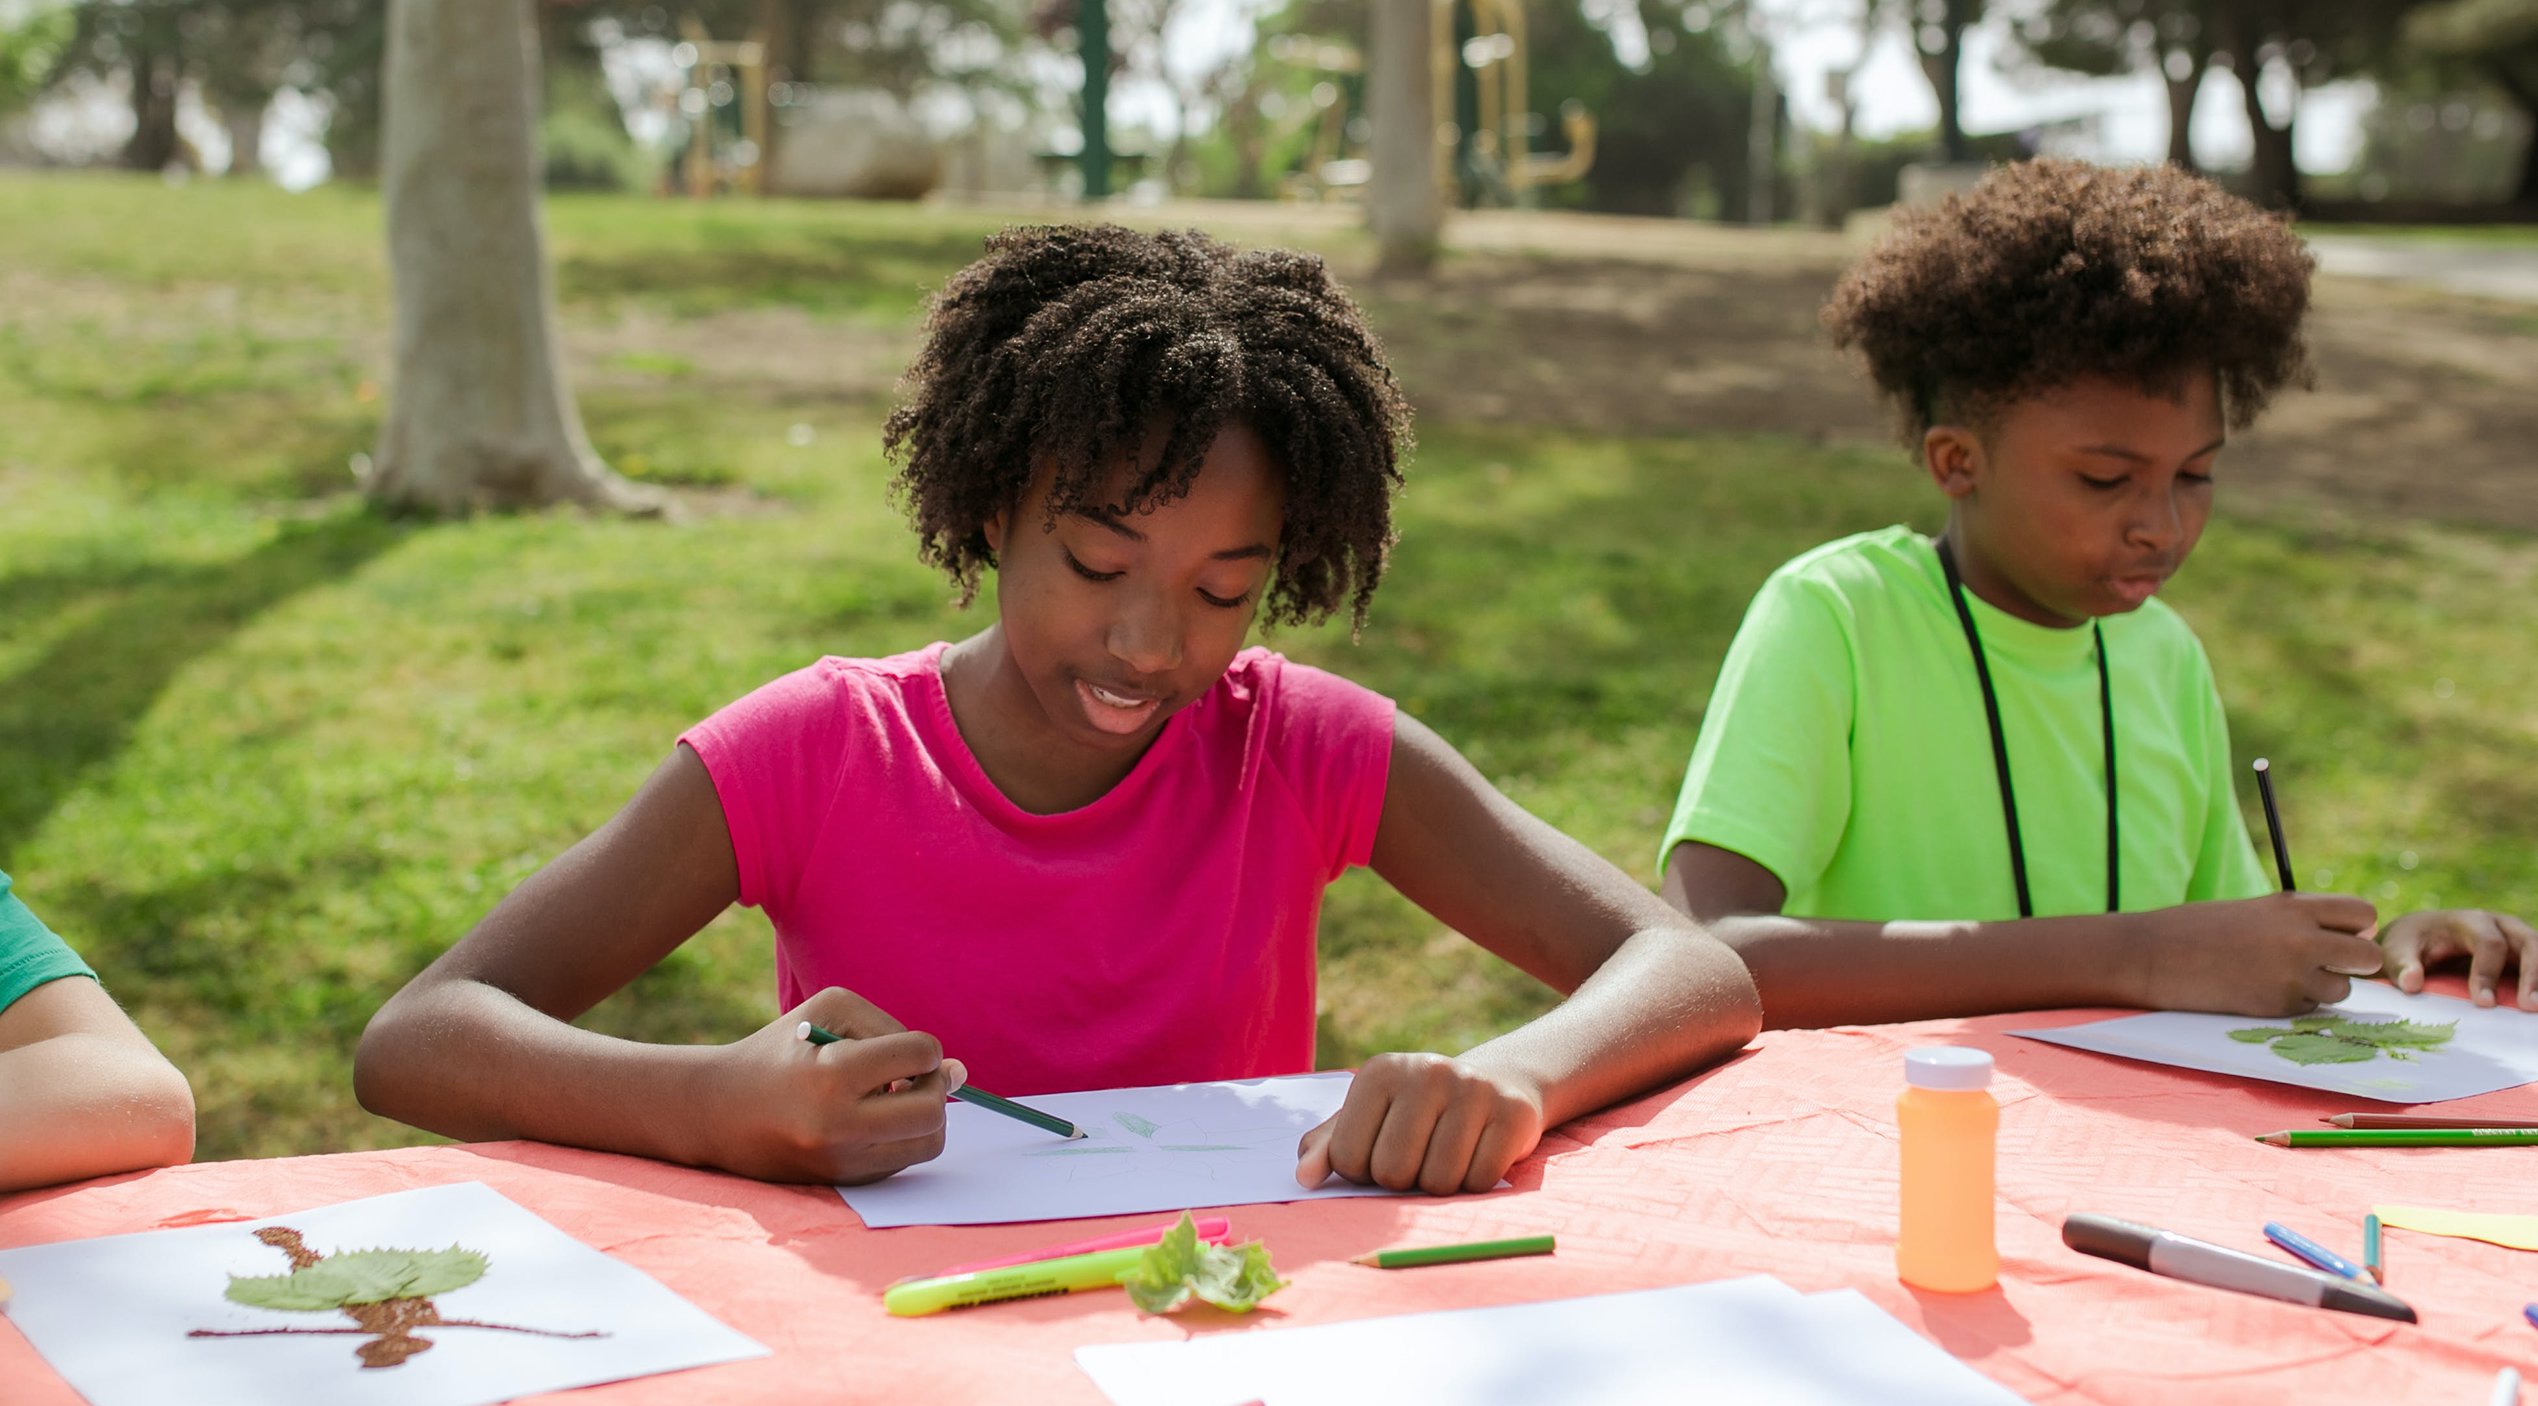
2328 1039
387 1293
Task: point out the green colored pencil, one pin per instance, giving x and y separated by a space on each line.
2370 1249
1458 1254
1046 1122
2404 1137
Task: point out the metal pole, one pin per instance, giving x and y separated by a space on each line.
1761 135
1092 30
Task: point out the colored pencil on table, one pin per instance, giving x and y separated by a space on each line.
2530 1312
2301 1247
1457 1254
2402 1137
1046 1122
2371 1250
2273 823
2419 1120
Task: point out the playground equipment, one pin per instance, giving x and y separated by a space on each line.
720 74
1493 165
1494 154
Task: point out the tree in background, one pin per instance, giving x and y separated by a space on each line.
479 413
2311 42
2497 41
2102 38
1938 38
1403 206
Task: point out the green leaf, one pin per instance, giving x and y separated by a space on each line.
2259 1034
2397 1034
1179 1267
2319 1048
361 1276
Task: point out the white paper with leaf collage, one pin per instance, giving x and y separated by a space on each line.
2379 1043
329 1306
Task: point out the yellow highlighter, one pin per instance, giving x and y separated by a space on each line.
1100 1270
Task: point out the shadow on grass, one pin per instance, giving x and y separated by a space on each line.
73 710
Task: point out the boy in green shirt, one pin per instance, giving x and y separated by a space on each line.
1989 771
82 1091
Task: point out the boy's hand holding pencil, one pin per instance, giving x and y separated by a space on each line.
854 1111
2282 954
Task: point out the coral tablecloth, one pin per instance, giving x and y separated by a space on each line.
1780 1162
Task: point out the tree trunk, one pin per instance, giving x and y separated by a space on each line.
155 77
2524 95
244 119
2181 95
1403 206
2273 173
1942 66
479 413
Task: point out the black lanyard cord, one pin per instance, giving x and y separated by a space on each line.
2000 745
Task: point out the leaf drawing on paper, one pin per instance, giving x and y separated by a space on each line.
1142 1127
388 1293
2330 1039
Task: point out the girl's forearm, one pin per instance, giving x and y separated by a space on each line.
472 1062
1666 1004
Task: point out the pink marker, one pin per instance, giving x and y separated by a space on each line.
1215 1230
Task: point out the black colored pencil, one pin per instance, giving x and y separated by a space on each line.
2273 823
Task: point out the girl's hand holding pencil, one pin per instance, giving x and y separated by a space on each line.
845 1113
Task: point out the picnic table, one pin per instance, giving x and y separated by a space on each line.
1781 1161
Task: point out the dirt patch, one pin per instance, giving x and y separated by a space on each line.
2423 407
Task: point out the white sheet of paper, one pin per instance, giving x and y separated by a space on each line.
2491 1049
1752 1339
1174 1147
112 1314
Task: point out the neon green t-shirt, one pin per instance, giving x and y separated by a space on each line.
1845 750
30 955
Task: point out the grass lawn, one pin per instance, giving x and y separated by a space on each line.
262 754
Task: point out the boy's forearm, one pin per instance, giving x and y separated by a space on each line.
468 1061
1667 1004
1815 972
82 1105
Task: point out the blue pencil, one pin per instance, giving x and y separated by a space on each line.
2310 1250
2530 1312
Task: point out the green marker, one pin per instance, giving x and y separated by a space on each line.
1046 1122
1100 1270
2403 1137
1458 1254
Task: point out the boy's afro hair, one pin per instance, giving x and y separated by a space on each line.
1062 346
2050 271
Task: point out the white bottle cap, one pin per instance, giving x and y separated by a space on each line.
1948 1067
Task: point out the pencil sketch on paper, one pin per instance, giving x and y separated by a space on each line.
388 1294
2329 1039
1139 1136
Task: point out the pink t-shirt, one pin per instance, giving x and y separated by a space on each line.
1163 933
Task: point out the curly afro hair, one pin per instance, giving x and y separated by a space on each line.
2050 271
1063 346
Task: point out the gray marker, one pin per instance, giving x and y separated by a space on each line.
2201 1262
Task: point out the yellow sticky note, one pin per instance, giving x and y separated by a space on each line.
2511 1232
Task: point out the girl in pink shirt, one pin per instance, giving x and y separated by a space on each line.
1085 847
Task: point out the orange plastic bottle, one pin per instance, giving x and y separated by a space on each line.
1947 1121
